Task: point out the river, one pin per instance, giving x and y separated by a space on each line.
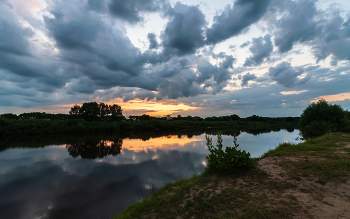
99 176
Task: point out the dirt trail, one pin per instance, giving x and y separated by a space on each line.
331 200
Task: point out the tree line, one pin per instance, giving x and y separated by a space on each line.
92 117
93 111
89 112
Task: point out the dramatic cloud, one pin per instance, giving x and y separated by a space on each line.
153 44
261 49
228 60
297 24
287 76
334 39
233 20
326 32
130 10
101 55
13 37
244 44
184 32
248 77
97 5
207 70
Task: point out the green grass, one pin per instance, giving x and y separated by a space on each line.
320 158
194 197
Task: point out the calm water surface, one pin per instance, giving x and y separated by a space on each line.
99 177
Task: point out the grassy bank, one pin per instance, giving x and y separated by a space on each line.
305 180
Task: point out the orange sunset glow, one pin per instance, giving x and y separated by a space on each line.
138 145
157 143
333 98
151 107
148 107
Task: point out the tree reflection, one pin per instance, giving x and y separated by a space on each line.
95 149
290 129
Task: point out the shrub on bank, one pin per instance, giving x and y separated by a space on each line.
229 159
322 117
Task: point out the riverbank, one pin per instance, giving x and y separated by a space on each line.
309 179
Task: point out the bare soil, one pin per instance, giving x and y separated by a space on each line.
331 200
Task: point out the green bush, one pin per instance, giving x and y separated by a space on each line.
322 117
228 159
314 129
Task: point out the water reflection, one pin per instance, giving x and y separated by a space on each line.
158 143
95 149
82 188
99 176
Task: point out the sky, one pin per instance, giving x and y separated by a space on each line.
163 57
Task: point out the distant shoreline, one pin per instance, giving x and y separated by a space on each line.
43 126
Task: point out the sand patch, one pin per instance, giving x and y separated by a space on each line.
331 200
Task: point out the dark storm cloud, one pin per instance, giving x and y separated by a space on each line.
248 77
73 34
334 39
92 56
261 49
131 10
86 39
267 97
297 25
287 76
16 55
140 94
173 79
325 31
13 36
233 20
8 89
207 71
180 87
96 5
19 65
228 62
184 33
153 44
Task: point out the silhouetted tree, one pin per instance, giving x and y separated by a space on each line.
93 111
75 111
90 111
116 112
104 111
10 116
